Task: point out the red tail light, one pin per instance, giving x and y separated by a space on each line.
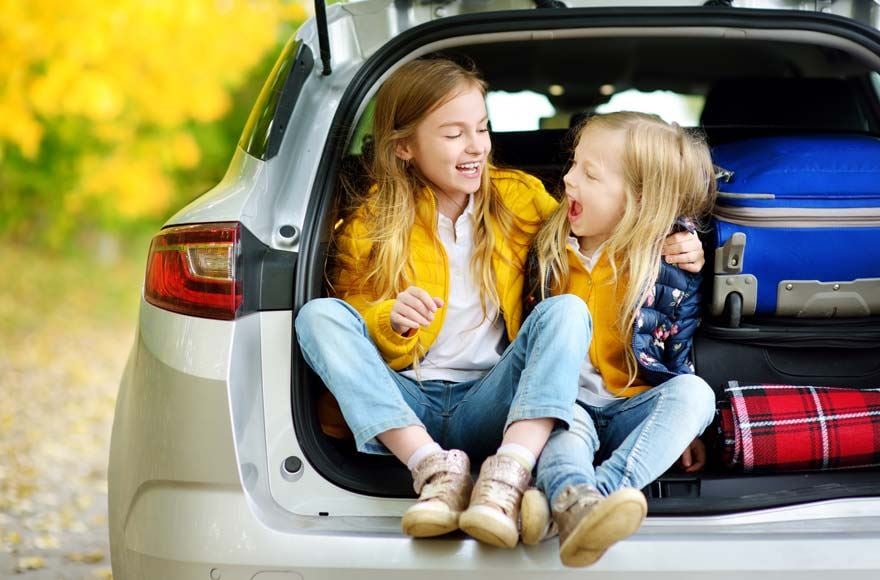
192 270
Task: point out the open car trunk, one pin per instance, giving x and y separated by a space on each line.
750 74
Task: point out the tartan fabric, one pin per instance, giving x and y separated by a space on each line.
786 427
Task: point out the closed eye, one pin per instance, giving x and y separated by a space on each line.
590 171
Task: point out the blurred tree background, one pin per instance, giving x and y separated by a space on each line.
116 112
113 115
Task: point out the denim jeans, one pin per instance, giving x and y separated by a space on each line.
628 443
536 377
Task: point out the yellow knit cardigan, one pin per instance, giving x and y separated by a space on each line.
523 194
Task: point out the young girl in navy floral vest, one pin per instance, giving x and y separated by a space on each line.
634 179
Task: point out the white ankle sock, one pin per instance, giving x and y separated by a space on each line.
521 454
422 452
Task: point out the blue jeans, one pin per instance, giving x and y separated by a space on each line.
632 441
536 378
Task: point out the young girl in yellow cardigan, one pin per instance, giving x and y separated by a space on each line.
633 180
424 346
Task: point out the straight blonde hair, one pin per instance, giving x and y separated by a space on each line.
667 174
388 208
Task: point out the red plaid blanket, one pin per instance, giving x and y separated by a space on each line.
785 427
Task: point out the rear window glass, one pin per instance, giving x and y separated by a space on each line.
672 107
267 122
519 111
532 111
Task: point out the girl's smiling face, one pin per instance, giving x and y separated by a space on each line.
451 144
594 186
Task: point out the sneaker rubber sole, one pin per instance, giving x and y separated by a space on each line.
489 525
426 520
535 517
616 517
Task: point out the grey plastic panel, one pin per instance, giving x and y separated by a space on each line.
745 284
814 299
729 257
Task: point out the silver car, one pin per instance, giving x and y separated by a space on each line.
219 468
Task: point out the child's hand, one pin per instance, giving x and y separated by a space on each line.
413 308
684 249
694 457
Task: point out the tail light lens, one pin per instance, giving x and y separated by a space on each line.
192 270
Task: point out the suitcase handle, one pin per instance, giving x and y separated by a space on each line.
729 281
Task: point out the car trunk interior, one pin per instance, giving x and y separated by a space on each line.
748 88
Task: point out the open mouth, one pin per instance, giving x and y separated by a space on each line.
575 209
469 169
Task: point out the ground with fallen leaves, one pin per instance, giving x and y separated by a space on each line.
66 325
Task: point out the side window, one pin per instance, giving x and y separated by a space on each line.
363 131
353 177
875 83
268 120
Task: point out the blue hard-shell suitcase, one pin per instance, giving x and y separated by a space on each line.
797 227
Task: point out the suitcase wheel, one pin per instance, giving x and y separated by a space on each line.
733 309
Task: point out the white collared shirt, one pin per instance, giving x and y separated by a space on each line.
469 344
591 387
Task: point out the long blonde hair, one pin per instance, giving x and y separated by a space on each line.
667 174
409 95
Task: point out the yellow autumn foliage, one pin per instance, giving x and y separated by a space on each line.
136 75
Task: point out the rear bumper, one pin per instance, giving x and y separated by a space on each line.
183 532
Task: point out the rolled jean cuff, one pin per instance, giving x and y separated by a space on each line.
365 439
559 413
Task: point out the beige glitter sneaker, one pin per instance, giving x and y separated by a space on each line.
494 511
536 524
589 524
443 482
